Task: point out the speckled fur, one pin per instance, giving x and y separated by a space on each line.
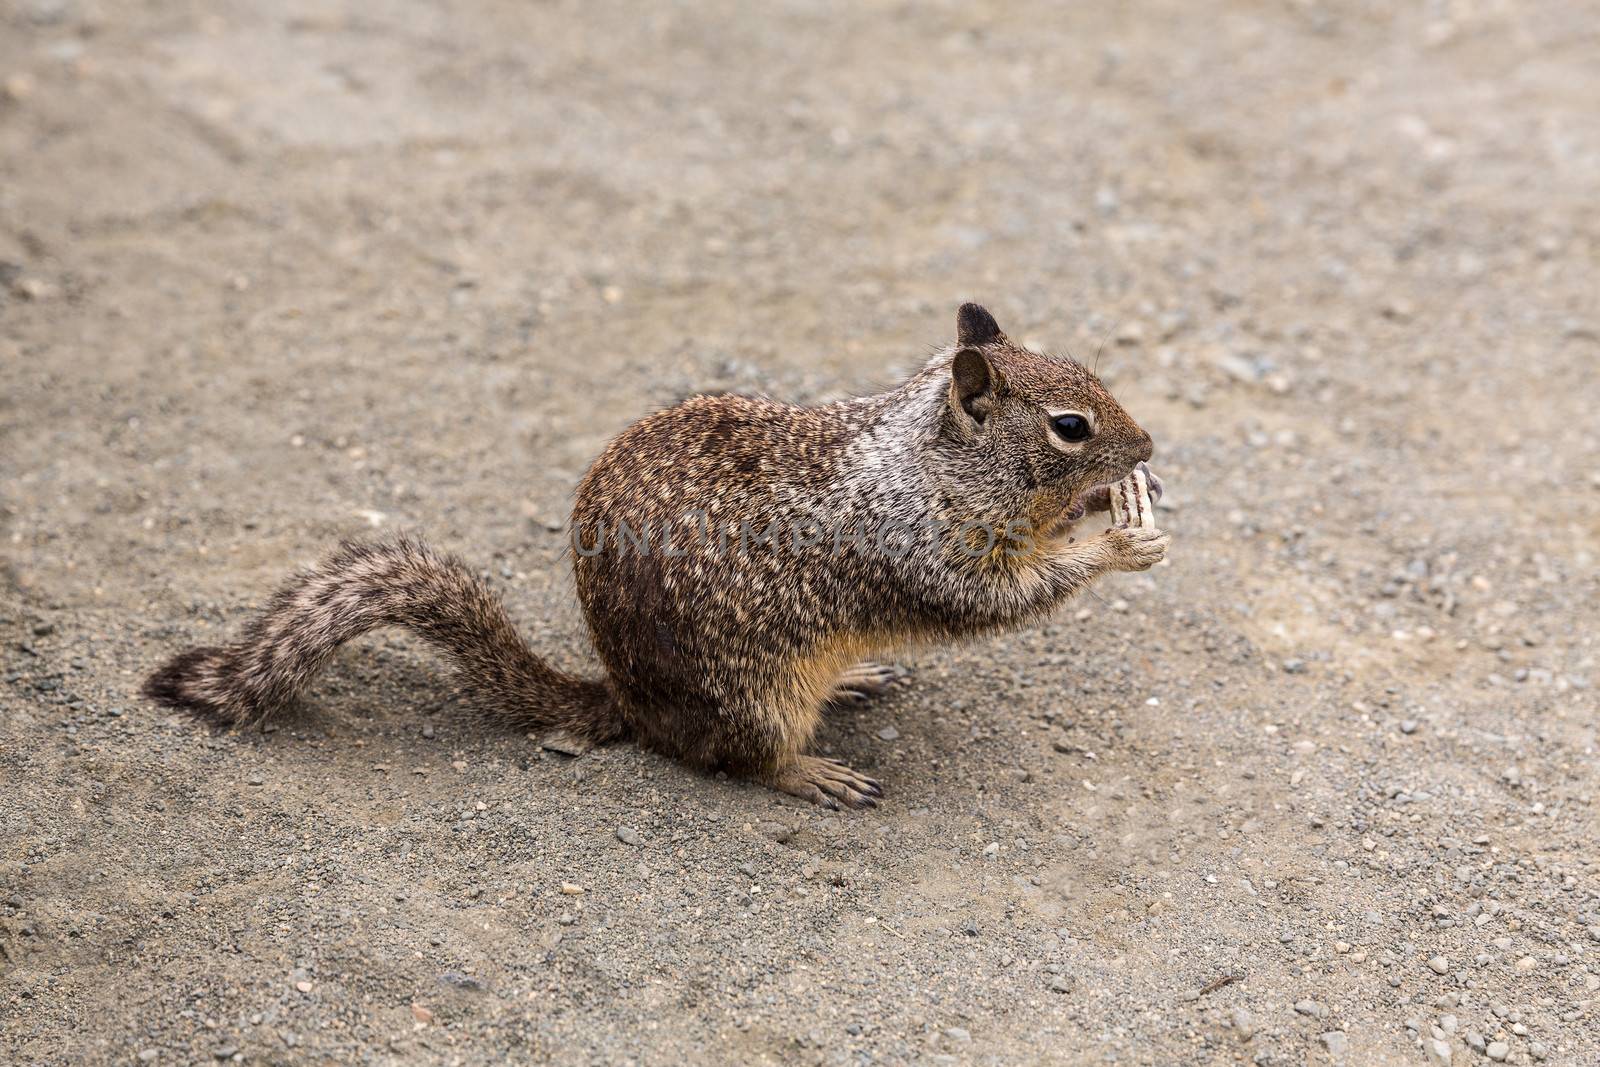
364 587
725 658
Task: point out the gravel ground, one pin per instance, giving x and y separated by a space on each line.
1321 789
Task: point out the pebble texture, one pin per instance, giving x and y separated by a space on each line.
1320 789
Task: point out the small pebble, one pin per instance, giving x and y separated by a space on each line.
629 836
564 744
18 87
464 982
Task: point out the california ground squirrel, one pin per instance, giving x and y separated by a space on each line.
739 559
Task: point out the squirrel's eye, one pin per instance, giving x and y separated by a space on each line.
1071 427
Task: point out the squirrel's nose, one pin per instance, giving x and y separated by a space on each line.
1146 447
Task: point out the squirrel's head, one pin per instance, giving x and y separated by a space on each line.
1042 431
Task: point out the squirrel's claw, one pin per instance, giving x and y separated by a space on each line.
827 782
861 683
1152 481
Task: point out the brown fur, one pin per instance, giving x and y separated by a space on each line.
363 587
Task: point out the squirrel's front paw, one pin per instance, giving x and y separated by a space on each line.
1136 548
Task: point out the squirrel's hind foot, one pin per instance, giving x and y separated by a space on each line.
826 782
862 683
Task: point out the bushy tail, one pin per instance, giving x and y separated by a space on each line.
363 587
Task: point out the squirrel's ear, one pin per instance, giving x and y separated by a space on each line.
975 326
973 384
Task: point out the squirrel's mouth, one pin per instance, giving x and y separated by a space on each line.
1094 498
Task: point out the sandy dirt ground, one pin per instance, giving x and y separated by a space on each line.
1322 789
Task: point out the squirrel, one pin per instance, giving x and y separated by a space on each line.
740 562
